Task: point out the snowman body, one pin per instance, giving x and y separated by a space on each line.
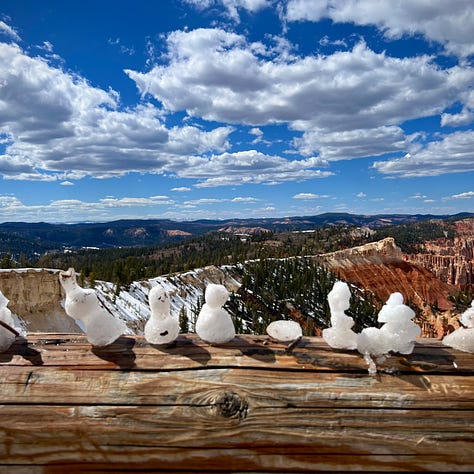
340 335
214 323
7 338
161 327
83 305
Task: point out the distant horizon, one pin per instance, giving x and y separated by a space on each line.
383 215
223 109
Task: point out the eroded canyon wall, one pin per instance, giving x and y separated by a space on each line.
450 259
35 296
380 268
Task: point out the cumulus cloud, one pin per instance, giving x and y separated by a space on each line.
56 126
347 105
452 153
250 166
465 117
9 31
55 123
448 23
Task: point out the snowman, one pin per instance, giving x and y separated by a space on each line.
161 327
463 337
340 335
214 324
7 337
83 305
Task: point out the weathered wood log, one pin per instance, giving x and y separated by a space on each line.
248 405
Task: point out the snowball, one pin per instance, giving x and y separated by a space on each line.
214 324
161 327
284 330
83 305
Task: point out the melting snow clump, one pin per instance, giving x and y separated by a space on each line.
398 334
214 324
83 305
463 337
161 327
340 335
284 331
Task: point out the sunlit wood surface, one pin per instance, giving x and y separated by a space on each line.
251 405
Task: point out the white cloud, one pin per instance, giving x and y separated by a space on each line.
347 105
231 7
451 154
55 124
466 195
309 196
9 31
250 166
181 189
244 199
66 183
74 210
447 22
465 117
361 195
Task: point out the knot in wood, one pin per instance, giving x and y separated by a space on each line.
230 405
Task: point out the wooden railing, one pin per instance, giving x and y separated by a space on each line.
249 405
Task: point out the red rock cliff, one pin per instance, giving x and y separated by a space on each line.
451 260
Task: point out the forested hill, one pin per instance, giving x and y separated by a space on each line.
39 237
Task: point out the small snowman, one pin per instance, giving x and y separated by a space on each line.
7 337
463 337
83 305
161 327
340 335
284 331
214 324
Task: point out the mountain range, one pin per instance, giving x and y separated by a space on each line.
42 236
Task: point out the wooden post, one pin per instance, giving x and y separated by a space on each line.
249 405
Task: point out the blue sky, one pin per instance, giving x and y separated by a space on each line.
190 109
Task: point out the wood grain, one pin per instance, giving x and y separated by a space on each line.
251 405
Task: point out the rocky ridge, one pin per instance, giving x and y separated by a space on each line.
450 259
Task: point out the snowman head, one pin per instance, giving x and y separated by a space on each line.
339 297
67 278
159 300
216 295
